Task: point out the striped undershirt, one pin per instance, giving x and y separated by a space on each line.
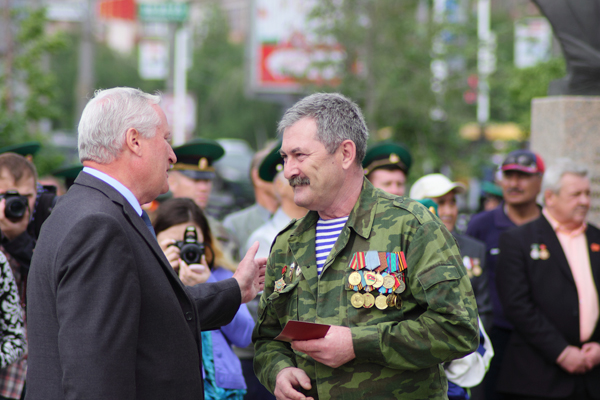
327 234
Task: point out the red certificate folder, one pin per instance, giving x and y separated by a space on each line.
298 330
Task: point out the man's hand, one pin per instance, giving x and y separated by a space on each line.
287 380
591 351
250 274
573 360
333 350
11 229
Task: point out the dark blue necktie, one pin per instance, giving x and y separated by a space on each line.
146 219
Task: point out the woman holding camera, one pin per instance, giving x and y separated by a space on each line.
173 224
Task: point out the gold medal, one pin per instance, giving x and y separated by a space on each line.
370 278
476 270
391 300
357 300
544 253
378 281
388 281
381 302
279 285
369 300
398 302
354 278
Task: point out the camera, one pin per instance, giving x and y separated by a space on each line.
15 205
190 250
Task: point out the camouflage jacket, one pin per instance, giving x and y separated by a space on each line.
399 352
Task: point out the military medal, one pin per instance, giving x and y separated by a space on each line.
398 302
370 278
372 260
369 300
391 300
468 266
354 278
476 267
388 281
292 267
279 285
544 253
535 251
595 247
381 302
357 300
298 271
378 281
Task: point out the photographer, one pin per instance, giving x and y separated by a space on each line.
23 208
183 233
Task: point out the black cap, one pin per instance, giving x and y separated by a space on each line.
387 154
271 164
24 149
195 158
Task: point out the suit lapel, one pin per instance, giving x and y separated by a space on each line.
548 237
593 241
134 219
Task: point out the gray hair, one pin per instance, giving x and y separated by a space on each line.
556 171
107 117
337 118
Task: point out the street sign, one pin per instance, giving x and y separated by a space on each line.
176 12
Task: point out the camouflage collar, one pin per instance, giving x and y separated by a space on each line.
360 219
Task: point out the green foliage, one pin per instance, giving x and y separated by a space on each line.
217 80
529 83
28 88
388 73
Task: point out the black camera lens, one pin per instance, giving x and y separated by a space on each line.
191 253
15 205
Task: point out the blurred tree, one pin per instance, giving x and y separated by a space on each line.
217 80
28 88
387 71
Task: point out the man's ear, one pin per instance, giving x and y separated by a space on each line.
132 141
348 152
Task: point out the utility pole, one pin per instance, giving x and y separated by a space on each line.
85 73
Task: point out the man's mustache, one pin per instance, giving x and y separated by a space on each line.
299 181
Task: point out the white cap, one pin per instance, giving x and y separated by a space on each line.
433 185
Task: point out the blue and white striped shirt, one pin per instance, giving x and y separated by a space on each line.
328 232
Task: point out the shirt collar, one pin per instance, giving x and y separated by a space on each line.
559 228
118 186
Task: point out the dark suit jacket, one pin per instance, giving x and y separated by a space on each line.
540 299
474 248
107 316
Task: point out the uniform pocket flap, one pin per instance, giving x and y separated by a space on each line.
437 274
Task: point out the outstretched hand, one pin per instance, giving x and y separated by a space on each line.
250 274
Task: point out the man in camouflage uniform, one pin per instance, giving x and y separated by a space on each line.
392 348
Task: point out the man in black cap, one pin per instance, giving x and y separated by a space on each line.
386 166
192 177
522 172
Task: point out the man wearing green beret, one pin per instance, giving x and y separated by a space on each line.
386 166
192 177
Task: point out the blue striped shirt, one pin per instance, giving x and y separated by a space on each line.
327 233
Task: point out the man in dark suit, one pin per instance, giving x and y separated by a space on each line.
108 318
549 272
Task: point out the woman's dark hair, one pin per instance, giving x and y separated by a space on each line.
182 210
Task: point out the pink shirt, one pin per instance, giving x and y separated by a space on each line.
574 244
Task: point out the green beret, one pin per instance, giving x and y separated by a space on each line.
430 204
491 188
24 149
271 164
387 154
69 172
195 158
